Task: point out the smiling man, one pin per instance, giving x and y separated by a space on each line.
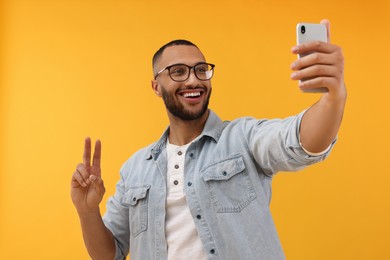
202 191
186 95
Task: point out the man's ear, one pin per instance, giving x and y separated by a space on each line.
156 88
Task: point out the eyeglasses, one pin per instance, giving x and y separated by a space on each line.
181 72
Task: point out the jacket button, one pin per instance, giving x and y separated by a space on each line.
198 216
212 251
189 184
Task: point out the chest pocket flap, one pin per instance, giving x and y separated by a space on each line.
224 170
133 195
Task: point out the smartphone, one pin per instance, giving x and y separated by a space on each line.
307 32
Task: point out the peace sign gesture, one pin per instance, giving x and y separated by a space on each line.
87 188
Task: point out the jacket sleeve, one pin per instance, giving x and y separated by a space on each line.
276 147
116 220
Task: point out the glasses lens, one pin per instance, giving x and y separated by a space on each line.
203 71
179 72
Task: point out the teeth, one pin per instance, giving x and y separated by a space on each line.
192 94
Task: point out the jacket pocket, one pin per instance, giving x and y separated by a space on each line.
137 199
230 186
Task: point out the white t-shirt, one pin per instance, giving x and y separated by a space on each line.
180 231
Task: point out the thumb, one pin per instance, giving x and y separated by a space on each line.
327 25
97 183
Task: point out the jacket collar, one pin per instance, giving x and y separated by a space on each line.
213 129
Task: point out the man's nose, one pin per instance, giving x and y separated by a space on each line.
192 78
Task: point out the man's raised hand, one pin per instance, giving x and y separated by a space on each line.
87 188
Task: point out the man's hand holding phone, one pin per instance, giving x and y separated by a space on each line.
320 66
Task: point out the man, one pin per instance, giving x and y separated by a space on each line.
203 190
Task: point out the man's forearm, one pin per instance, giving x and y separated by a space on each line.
98 239
321 122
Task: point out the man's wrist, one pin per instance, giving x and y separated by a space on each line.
89 212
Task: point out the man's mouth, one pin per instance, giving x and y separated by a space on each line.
191 93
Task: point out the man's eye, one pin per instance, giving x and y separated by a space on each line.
178 71
202 69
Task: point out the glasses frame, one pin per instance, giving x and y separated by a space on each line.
189 71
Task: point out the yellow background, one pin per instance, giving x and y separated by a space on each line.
71 69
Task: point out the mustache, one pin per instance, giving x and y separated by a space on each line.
192 87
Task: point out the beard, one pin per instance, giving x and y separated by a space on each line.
177 109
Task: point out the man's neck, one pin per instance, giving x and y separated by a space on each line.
182 132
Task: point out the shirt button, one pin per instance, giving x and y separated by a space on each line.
212 251
224 173
176 166
179 153
192 155
189 184
175 182
198 216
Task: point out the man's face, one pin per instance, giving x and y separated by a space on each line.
187 100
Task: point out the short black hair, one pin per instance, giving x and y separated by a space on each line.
158 54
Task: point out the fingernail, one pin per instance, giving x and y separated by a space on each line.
293 65
295 49
294 75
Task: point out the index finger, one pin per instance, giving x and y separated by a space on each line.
97 154
314 46
87 152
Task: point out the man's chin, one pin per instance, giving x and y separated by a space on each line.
188 115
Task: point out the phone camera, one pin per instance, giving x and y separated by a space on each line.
303 29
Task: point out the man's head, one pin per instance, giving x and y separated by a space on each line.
158 53
182 79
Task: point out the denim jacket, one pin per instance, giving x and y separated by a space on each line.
228 173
